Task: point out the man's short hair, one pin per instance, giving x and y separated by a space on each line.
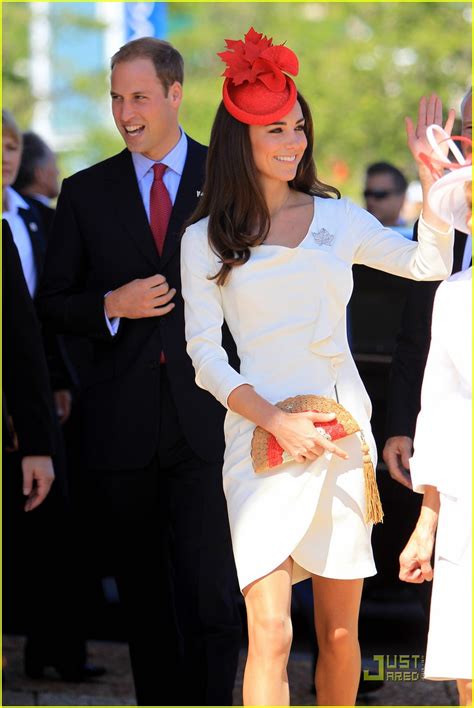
399 179
168 62
10 127
35 154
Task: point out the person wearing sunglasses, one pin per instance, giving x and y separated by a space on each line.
384 194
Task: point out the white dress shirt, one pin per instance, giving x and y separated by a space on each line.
174 160
21 237
41 198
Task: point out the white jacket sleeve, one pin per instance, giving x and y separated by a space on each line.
204 315
442 443
429 258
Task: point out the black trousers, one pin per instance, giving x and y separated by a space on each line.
167 530
42 576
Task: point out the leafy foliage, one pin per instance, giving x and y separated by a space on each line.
363 67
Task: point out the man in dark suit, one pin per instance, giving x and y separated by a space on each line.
37 182
28 446
412 348
153 439
37 178
29 221
27 400
51 640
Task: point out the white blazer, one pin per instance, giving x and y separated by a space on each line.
443 439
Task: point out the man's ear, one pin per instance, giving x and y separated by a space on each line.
175 93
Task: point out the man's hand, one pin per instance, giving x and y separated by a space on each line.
144 297
38 476
396 455
63 404
415 559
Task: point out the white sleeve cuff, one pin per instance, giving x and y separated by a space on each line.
421 473
112 324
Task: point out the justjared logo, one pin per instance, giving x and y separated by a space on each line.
396 667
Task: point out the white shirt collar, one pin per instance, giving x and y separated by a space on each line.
41 198
175 159
15 201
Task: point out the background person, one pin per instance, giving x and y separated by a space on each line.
28 435
384 193
37 182
38 176
444 473
51 641
27 400
412 346
378 297
397 382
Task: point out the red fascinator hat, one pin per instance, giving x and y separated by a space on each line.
256 90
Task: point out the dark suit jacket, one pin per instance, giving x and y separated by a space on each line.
101 239
36 231
27 394
61 371
66 356
411 351
45 212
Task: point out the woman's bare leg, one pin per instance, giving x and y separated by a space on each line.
336 612
268 603
465 692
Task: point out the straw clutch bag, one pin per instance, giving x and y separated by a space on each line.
267 454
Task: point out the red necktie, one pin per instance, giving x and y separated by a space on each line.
160 207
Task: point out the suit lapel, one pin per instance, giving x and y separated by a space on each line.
38 242
130 209
186 198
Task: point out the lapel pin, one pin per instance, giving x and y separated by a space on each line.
198 193
33 226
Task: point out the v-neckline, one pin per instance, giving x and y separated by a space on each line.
298 245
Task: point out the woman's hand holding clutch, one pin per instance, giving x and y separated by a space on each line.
297 435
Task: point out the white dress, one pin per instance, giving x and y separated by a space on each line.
286 309
443 459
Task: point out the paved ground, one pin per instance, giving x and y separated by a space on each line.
115 688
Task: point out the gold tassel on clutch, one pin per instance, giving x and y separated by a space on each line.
374 513
267 454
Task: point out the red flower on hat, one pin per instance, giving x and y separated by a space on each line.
257 59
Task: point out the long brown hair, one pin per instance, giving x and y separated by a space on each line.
232 197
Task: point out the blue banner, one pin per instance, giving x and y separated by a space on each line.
145 19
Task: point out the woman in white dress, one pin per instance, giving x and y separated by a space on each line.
271 253
444 473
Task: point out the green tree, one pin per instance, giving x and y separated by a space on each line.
363 67
15 52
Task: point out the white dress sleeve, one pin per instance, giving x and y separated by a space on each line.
429 258
204 315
